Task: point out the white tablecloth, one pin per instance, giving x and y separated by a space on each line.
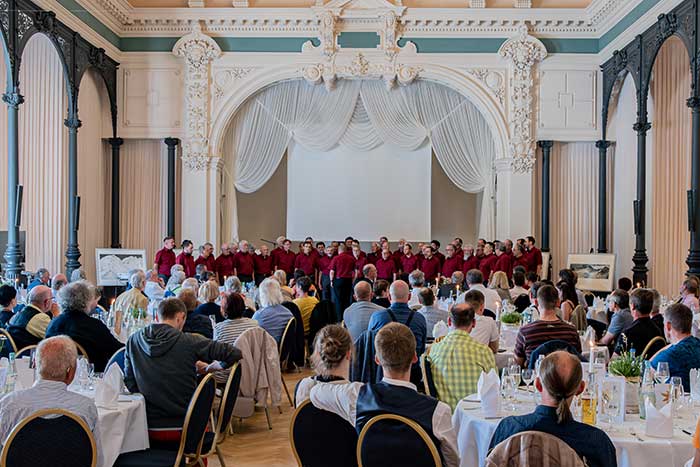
474 436
123 429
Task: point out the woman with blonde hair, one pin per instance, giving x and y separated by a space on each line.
330 360
208 293
499 283
287 292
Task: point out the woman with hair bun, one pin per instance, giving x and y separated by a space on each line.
330 360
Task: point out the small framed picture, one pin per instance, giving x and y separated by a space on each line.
612 398
595 272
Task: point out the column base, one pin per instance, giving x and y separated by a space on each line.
72 256
640 270
13 266
693 262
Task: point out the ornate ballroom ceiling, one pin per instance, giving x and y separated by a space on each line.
408 3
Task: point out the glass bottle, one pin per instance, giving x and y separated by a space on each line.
589 401
11 374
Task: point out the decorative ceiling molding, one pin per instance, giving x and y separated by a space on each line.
354 15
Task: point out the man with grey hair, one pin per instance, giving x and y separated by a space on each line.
369 275
77 275
356 317
134 297
454 288
272 316
57 282
56 362
656 316
233 285
76 300
417 281
28 326
41 277
619 304
155 288
400 312
475 281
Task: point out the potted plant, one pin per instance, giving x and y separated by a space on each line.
630 367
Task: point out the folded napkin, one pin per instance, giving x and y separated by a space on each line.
25 375
107 391
659 422
440 329
588 337
489 390
4 366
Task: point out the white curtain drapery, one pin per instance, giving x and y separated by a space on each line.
361 114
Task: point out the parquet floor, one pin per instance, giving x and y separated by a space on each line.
254 445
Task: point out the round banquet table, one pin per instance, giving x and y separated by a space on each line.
474 434
123 429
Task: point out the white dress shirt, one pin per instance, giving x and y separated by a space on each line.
517 291
485 330
492 301
341 399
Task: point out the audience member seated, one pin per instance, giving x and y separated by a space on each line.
76 301
28 326
234 324
357 402
233 284
134 297
454 287
369 274
57 282
499 283
381 294
56 363
304 301
689 295
558 382
281 277
475 281
642 330
175 282
618 303
78 275
155 287
430 312
568 300
416 280
195 323
8 301
485 330
458 360
332 352
41 277
548 327
518 285
190 284
624 283
684 351
208 293
272 316
399 312
160 362
356 317
656 315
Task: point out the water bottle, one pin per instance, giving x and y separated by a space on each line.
527 316
11 374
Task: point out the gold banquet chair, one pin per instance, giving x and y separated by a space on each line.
403 443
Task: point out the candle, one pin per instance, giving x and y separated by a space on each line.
590 359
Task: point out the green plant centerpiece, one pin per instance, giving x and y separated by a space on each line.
512 318
630 367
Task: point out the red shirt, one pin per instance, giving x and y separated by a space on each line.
450 265
343 265
534 259
409 263
244 264
165 259
263 265
209 262
503 263
471 263
225 265
324 264
373 257
386 268
284 260
440 256
187 262
307 263
522 261
487 265
430 267
360 263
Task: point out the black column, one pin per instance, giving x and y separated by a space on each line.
602 146
546 147
693 260
73 251
172 146
116 144
640 258
13 251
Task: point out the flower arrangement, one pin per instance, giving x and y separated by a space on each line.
512 317
627 365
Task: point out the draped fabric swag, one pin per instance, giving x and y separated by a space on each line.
361 114
574 204
671 167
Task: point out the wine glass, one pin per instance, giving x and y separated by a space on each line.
83 374
662 372
528 376
611 403
676 392
91 376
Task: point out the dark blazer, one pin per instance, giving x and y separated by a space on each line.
91 333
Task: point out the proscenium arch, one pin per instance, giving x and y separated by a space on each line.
465 84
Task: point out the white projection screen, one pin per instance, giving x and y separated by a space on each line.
341 192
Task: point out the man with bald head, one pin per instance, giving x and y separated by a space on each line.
400 312
559 381
57 282
357 315
225 263
28 327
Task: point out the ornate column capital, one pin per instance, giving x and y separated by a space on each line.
171 142
73 122
545 144
198 50
602 144
13 99
523 52
115 142
694 102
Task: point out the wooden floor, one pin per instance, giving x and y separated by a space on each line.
254 444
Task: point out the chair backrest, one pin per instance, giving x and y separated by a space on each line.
63 440
10 340
228 399
320 438
81 350
549 347
391 439
197 418
578 318
489 313
653 346
118 358
286 340
25 351
428 381
533 449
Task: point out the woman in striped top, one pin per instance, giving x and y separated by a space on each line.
227 331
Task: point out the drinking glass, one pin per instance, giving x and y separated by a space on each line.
695 385
515 373
83 373
677 394
513 390
662 372
611 403
528 376
91 376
